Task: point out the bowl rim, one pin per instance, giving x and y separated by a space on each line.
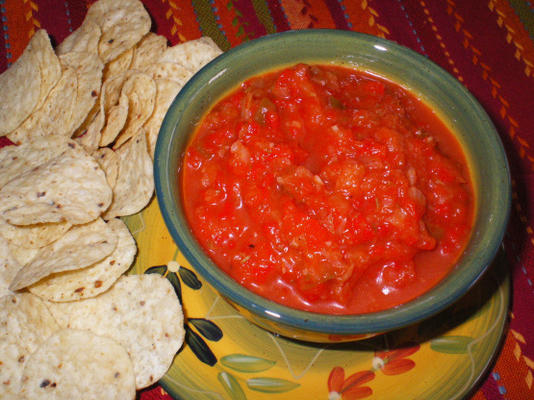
393 318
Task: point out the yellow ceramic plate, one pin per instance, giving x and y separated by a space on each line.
227 357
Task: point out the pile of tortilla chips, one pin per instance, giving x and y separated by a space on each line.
85 118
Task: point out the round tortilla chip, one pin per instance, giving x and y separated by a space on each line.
81 246
16 160
25 323
123 23
95 279
26 84
135 181
142 312
170 71
166 92
140 90
84 39
55 115
33 236
77 364
118 65
9 267
88 68
193 54
70 187
109 162
150 48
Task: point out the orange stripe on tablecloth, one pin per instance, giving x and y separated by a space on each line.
516 34
364 18
479 396
303 14
515 375
177 12
230 24
21 25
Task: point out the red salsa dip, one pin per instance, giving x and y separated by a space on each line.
328 189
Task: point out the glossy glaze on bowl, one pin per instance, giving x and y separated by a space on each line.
443 93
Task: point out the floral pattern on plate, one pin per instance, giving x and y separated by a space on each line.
227 357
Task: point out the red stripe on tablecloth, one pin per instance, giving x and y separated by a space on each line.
277 13
60 20
249 19
401 25
338 14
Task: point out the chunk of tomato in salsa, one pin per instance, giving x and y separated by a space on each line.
328 189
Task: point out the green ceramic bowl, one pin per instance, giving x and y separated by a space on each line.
455 105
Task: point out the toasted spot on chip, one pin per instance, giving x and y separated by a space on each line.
94 279
72 185
142 313
25 323
77 364
81 246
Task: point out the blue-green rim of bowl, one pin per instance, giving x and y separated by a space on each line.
414 311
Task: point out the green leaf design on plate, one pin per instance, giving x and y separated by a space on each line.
189 278
271 385
199 347
207 328
175 282
246 363
451 344
157 269
232 386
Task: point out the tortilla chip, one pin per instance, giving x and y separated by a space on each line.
109 162
166 92
140 90
33 236
95 279
135 181
118 65
115 120
150 48
70 187
26 84
16 160
55 115
142 312
25 323
169 70
123 23
74 364
9 267
81 246
193 54
88 69
85 39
